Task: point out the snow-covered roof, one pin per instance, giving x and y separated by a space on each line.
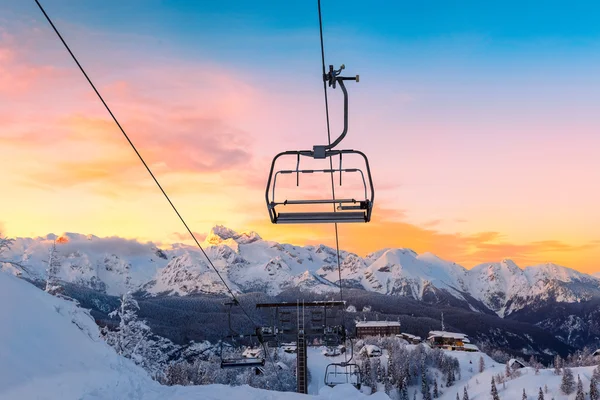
596 353
512 362
372 324
371 348
448 335
469 346
408 335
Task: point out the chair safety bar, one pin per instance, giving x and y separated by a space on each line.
347 209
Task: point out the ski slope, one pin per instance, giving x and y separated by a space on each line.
50 349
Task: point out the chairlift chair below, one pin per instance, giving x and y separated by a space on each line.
233 357
341 373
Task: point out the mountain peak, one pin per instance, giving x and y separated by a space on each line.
220 234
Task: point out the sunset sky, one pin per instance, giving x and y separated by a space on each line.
480 120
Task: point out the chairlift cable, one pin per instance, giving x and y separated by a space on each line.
142 159
337 239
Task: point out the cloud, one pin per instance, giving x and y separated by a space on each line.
178 128
108 245
185 236
465 249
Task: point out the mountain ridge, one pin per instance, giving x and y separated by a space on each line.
249 263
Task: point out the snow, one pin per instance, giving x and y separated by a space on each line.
372 324
249 263
449 335
50 349
479 385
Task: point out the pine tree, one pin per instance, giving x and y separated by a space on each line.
541 395
52 270
424 382
436 394
524 397
558 364
450 378
507 371
594 395
596 373
580 394
415 396
494 391
567 384
457 398
133 339
367 381
481 364
465 394
404 393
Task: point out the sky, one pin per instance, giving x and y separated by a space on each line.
479 120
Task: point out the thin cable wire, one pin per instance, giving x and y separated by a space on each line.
151 174
141 158
337 242
337 238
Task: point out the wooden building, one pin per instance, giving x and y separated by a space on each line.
377 328
411 339
449 340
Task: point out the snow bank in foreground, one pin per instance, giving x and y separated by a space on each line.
50 349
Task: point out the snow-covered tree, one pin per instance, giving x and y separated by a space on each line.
436 394
424 382
52 270
133 339
541 395
580 394
507 371
558 365
567 385
404 393
367 377
465 394
524 397
457 398
594 395
596 373
5 244
481 364
535 364
494 391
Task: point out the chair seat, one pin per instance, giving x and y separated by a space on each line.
243 362
320 217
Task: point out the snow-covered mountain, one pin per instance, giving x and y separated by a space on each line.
248 263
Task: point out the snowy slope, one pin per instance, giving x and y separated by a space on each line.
50 349
479 385
248 263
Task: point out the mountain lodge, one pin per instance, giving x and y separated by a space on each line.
377 328
450 341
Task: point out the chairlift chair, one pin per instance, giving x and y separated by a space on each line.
357 209
344 372
341 373
230 346
232 357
